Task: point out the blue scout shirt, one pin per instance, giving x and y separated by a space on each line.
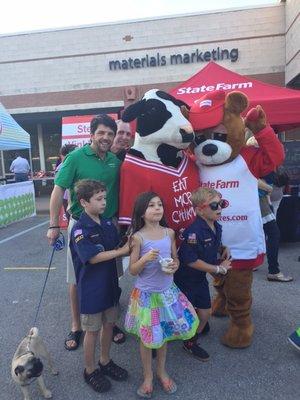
97 284
200 243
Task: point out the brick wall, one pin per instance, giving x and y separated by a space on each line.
292 39
78 58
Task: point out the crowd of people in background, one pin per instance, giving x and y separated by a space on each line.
21 168
274 182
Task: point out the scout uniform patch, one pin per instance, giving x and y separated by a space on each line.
207 242
192 239
78 235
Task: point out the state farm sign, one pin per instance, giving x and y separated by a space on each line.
76 129
217 86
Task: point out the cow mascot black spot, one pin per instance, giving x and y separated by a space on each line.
157 161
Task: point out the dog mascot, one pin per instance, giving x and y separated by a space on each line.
227 165
156 162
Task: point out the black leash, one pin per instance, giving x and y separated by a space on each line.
57 246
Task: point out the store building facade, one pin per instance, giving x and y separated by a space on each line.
86 70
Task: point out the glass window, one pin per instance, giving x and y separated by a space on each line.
52 144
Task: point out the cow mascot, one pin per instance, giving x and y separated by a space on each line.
157 161
227 165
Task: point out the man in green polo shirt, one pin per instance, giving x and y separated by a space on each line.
92 161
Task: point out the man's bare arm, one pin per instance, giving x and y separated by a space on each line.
56 201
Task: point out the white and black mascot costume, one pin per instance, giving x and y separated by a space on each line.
157 160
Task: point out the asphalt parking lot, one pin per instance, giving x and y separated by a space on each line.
268 370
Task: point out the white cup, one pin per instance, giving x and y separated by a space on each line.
165 262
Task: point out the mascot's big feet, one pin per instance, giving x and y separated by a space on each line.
237 290
219 302
238 337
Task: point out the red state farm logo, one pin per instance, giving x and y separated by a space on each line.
220 184
225 203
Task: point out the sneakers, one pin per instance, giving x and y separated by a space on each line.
279 277
195 350
294 339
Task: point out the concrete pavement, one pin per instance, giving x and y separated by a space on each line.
268 370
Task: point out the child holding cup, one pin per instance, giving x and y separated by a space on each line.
158 312
202 252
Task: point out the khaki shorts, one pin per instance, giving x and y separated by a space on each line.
119 260
94 322
71 278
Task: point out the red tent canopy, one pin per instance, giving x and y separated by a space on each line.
281 105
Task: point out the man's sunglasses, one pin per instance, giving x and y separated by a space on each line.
215 205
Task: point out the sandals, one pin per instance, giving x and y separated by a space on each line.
168 385
113 371
75 336
145 391
97 381
117 331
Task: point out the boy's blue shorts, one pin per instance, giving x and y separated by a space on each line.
197 293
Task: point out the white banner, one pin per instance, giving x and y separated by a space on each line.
17 202
76 129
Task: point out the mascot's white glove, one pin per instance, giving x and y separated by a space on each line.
221 270
224 267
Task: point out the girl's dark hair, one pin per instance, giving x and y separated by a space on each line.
281 177
67 148
140 207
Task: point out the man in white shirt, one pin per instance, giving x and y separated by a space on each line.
20 167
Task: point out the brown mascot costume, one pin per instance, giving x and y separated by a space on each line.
227 165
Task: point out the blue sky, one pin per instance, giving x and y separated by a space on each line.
28 15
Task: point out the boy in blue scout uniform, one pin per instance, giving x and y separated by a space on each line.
93 246
198 254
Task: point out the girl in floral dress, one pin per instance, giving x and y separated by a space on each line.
158 311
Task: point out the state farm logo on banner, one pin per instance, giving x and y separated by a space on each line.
212 87
76 129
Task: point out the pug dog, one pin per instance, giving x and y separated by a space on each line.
26 365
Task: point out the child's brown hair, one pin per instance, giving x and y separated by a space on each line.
86 188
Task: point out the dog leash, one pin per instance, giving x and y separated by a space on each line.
57 246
